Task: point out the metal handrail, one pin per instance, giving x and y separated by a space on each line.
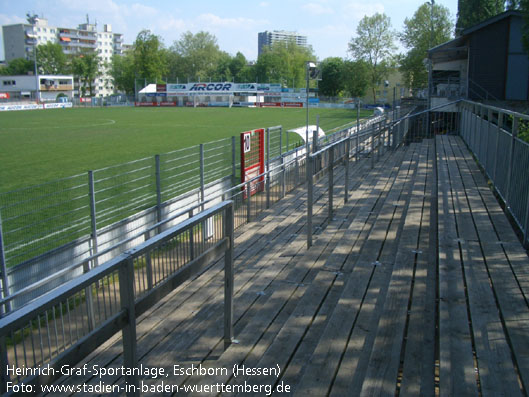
130 306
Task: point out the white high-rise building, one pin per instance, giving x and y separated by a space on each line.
20 39
267 38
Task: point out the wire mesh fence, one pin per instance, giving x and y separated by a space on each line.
47 228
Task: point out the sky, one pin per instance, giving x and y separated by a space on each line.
328 24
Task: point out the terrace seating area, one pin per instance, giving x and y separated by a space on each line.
418 285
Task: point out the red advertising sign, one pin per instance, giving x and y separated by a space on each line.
4 95
161 87
252 160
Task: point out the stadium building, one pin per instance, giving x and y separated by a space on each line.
20 40
20 89
266 39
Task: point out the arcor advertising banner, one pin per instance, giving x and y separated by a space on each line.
218 88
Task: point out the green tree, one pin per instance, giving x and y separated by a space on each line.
51 59
472 12
374 44
196 56
429 26
149 56
86 68
356 78
524 7
332 72
123 73
284 63
19 66
223 72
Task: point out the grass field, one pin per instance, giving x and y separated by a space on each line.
39 146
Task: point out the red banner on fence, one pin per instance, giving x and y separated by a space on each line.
155 104
293 104
252 160
4 95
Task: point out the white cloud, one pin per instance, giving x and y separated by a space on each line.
264 4
317 9
357 10
10 19
214 21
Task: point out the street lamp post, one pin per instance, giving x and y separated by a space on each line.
311 67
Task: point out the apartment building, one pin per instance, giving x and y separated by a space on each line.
20 39
267 38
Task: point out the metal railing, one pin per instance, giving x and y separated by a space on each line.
369 141
493 135
282 175
63 326
46 228
197 176
384 134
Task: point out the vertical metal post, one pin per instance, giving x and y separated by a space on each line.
373 145
248 202
93 218
380 139
228 277
158 189
525 241
90 264
357 129
489 122
4 362
331 181
315 136
498 132
268 168
202 190
281 140
191 238
309 202
514 134
287 140
126 292
233 166
283 177
297 168
202 193
346 188
5 279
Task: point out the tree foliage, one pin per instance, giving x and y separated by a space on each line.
149 56
284 63
524 7
356 77
196 56
18 66
472 12
51 59
123 72
332 73
374 45
429 26
86 68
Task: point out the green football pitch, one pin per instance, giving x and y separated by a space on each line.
39 146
